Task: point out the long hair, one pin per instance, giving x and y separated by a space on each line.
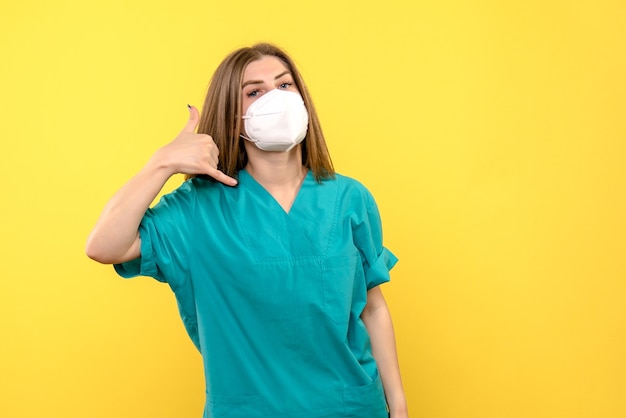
221 114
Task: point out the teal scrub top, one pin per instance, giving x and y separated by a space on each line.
272 299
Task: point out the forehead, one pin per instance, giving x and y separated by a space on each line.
265 67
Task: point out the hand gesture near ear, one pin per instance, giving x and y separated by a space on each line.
115 238
193 153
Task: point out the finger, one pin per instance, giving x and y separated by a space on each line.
222 178
194 118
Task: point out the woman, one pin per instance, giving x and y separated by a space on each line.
274 259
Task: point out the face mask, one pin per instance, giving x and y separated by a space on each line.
277 121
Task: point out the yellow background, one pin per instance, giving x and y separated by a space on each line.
492 133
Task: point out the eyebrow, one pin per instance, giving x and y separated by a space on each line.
261 81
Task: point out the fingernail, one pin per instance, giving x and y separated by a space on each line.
188 106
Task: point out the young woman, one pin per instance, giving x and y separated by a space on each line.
275 260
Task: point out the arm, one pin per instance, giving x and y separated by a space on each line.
115 237
377 319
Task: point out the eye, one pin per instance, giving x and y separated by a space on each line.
285 85
253 93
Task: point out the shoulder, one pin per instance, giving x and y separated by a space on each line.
352 186
346 182
195 186
187 194
352 192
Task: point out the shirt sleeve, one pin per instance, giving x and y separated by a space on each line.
368 235
165 239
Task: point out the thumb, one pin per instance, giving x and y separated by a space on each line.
194 118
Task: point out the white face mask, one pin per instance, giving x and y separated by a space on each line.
277 121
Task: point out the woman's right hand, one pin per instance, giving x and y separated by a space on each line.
192 153
115 238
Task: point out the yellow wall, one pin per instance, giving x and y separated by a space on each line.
492 133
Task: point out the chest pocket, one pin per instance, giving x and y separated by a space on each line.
339 286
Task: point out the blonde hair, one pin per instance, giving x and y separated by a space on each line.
221 114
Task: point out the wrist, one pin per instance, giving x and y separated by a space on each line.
398 406
159 163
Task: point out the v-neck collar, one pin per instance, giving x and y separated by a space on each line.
247 180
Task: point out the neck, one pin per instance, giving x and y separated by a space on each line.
275 169
280 173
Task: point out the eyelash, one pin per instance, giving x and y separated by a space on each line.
284 85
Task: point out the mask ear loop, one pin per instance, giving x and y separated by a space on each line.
246 138
244 127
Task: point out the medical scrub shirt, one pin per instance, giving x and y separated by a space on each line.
272 299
